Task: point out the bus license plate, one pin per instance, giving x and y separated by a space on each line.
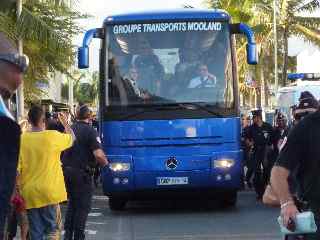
172 181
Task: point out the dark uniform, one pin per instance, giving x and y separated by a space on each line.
9 152
262 137
246 154
301 156
78 162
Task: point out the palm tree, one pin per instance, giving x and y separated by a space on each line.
258 13
47 28
293 22
252 13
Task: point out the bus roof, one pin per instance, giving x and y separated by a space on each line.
164 15
299 85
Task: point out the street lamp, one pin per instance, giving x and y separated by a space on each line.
20 95
276 83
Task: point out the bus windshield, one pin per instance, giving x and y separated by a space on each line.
170 63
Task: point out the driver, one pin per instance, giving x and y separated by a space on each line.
204 80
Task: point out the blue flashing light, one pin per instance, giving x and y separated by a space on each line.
303 76
295 76
252 53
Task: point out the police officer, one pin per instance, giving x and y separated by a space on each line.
281 130
78 164
12 66
259 136
245 123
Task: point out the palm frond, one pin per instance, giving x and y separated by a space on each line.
40 30
7 25
309 22
7 5
309 7
309 35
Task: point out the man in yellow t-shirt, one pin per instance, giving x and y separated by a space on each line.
40 174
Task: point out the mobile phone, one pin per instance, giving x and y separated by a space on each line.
291 225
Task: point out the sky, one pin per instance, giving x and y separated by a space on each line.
100 9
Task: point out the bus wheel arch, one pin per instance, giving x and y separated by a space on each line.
117 204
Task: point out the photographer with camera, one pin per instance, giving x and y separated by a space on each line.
300 158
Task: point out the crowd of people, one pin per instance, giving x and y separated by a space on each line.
56 164
283 159
44 162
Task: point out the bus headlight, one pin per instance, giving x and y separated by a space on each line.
119 167
224 163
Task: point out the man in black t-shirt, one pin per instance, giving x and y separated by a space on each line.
300 158
12 66
258 136
78 164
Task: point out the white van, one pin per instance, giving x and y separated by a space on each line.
289 96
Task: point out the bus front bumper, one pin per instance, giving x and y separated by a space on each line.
144 185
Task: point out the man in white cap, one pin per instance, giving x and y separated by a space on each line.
12 66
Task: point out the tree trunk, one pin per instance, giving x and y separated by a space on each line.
258 76
266 92
243 100
262 88
285 56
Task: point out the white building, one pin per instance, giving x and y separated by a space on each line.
308 55
52 90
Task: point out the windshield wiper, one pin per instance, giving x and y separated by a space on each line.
172 107
131 115
202 106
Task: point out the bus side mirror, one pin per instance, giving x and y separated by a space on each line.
83 52
252 53
83 57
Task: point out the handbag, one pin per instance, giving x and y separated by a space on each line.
270 198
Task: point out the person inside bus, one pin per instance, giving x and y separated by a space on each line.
151 72
131 82
204 80
187 67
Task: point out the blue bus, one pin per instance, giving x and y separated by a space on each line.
169 104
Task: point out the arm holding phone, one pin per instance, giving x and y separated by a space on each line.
64 121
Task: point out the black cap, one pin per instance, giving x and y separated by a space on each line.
256 113
305 95
83 112
307 103
280 117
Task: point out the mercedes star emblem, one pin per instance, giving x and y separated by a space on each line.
171 163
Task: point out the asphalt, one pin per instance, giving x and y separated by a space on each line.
183 220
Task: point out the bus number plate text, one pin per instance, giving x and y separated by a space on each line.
172 181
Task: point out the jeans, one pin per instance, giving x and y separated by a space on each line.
45 222
79 188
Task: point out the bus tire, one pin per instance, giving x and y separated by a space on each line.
117 204
230 199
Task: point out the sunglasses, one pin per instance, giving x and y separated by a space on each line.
21 61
